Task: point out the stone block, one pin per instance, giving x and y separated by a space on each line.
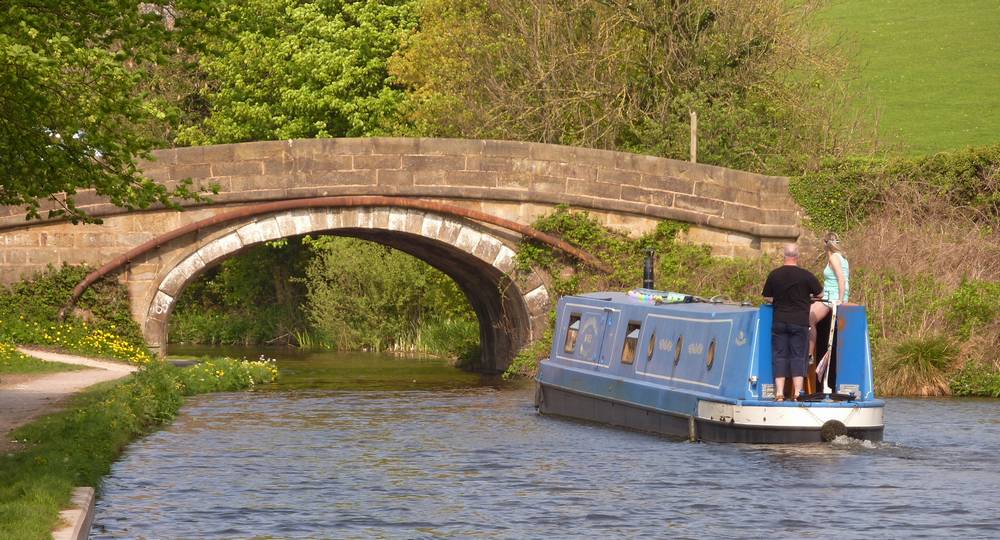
324 163
264 149
218 153
196 171
161 306
514 180
20 239
467 239
607 159
648 196
347 146
510 149
344 178
490 164
698 204
278 166
237 168
365 217
461 179
594 189
743 213
726 193
294 223
380 217
220 248
378 161
181 274
433 163
450 230
414 221
548 184
395 145
429 178
667 183
439 147
394 178
487 249
618 176
431 226
651 165
397 219
537 300
505 260
554 152
15 256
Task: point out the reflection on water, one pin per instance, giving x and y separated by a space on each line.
477 461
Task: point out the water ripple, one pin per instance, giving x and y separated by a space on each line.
480 463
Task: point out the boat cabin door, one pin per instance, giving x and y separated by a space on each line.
595 326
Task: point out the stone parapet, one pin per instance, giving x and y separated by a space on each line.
482 170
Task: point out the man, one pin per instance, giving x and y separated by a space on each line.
791 289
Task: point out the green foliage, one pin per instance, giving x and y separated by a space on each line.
282 69
625 75
101 324
72 115
366 296
251 298
976 379
974 304
76 447
916 366
841 194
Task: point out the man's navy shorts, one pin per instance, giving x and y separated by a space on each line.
789 347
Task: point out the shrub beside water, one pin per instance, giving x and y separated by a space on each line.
977 379
916 367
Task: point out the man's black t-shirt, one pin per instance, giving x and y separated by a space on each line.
791 287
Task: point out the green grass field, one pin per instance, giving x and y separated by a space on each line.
931 67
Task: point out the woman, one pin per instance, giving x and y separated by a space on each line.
836 286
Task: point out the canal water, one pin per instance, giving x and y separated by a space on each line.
374 446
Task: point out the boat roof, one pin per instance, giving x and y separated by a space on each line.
644 298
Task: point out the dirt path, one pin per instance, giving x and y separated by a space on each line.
26 397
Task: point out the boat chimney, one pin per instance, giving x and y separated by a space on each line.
647 269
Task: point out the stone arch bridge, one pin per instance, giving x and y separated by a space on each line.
461 205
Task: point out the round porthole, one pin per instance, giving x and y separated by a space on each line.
710 358
677 349
651 347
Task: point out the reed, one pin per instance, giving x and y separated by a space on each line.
916 367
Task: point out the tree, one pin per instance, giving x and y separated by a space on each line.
624 74
283 69
72 116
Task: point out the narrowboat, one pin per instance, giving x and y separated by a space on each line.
667 363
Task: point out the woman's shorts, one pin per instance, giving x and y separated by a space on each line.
789 347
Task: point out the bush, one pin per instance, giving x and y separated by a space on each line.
101 325
916 366
977 379
843 193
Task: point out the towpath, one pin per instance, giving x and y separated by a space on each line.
26 397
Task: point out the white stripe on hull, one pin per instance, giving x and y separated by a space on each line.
802 416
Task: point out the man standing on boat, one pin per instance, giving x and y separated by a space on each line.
791 289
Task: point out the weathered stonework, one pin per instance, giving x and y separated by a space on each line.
735 212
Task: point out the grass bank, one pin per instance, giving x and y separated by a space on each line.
931 68
13 362
76 447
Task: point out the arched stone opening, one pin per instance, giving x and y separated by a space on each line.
511 308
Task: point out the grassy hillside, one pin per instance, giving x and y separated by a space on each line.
932 68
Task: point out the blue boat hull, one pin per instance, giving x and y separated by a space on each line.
567 403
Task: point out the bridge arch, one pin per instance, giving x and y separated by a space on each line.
511 308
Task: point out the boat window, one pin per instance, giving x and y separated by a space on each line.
710 359
651 347
631 342
571 332
677 349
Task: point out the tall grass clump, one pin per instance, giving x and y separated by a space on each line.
916 367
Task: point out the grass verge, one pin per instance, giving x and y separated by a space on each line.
12 361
